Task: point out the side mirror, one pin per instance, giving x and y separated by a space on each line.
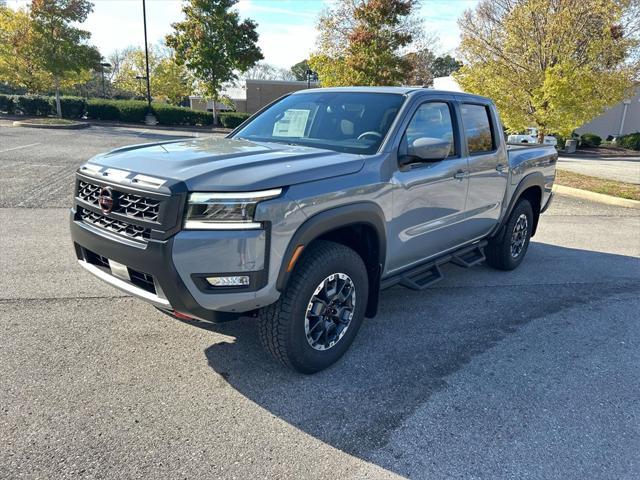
429 149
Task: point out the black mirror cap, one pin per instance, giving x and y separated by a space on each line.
429 149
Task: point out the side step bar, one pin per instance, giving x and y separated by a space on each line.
426 274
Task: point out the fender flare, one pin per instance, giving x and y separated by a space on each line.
535 179
361 213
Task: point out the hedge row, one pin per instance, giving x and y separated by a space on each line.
631 141
233 119
130 111
36 105
134 111
171 115
7 104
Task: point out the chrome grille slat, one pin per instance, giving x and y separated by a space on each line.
116 226
128 204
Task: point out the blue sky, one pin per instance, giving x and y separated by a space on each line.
286 27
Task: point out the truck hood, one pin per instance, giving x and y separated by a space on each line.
224 164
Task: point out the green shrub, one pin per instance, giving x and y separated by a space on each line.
561 141
72 107
132 111
35 105
590 140
172 115
7 104
135 110
102 110
232 120
631 141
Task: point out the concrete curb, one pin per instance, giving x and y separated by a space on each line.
167 128
596 197
69 126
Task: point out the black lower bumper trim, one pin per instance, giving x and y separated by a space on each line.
155 259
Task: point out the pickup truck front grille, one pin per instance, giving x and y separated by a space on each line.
116 226
128 204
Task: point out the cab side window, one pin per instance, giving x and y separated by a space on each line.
477 128
432 120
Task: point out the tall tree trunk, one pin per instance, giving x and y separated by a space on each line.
215 117
541 134
58 107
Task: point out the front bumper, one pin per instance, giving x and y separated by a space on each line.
169 273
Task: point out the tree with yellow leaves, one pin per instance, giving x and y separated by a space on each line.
550 64
41 49
19 66
170 81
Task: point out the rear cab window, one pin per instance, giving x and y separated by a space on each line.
478 128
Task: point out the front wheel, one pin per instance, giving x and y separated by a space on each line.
320 312
506 251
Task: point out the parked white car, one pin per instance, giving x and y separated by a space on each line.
531 136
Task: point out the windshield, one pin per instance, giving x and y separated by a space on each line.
351 122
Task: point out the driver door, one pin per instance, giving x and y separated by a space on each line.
429 196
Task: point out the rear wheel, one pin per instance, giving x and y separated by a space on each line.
320 312
507 250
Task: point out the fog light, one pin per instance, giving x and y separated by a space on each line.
235 281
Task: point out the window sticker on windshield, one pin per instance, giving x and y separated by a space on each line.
292 124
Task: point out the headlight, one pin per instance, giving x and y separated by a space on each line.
225 211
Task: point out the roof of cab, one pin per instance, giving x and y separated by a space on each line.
397 90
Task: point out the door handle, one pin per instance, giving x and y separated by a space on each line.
500 167
460 175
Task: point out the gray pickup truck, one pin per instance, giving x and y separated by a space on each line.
304 213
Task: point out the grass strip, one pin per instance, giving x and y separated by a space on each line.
598 185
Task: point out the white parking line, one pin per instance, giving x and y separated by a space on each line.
18 148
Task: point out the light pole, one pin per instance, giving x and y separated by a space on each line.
626 104
149 119
311 75
140 78
103 65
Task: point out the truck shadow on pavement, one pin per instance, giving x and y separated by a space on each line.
404 355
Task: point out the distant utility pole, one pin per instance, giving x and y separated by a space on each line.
150 119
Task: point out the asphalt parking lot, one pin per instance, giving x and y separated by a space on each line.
529 374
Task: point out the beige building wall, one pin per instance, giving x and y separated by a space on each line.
258 94
197 103
263 92
241 105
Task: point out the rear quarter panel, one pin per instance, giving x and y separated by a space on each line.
532 160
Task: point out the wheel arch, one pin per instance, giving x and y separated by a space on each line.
360 226
531 188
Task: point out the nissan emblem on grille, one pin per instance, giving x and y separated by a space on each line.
105 200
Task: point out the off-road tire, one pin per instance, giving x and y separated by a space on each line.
498 251
281 325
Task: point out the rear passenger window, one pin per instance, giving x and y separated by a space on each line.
477 127
432 120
